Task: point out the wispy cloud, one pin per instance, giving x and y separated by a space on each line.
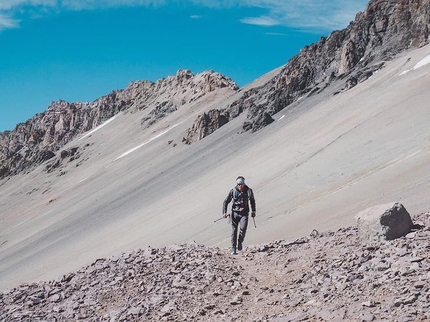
307 14
275 34
260 21
7 22
196 17
304 14
97 4
14 4
11 9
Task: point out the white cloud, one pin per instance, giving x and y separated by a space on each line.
309 14
97 4
36 8
9 9
14 4
195 17
275 34
260 21
304 14
7 22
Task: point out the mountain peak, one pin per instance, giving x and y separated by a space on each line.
349 57
38 139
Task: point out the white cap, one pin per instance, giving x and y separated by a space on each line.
240 180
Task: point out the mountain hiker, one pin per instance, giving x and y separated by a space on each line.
241 195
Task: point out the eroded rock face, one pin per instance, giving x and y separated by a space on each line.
352 55
321 277
206 124
39 139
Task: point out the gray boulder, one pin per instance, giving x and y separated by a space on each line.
383 222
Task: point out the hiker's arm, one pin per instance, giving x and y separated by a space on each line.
225 203
252 200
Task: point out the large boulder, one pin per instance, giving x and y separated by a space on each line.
383 222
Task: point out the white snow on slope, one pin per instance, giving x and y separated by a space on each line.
151 139
421 63
98 127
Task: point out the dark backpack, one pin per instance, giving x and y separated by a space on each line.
235 193
237 205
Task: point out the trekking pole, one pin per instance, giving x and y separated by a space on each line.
222 218
253 218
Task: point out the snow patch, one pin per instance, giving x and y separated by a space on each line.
281 117
98 127
150 140
421 63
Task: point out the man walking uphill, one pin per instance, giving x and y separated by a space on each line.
241 195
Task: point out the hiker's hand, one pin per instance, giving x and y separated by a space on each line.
225 215
253 214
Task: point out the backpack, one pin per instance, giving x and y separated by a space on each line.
235 193
236 206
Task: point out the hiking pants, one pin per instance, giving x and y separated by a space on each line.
241 222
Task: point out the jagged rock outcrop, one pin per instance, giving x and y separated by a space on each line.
321 277
205 124
352 55
39 139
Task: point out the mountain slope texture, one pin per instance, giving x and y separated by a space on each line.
385 29
143 172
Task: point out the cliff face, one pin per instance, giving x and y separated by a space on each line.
385 29
352 55
37 140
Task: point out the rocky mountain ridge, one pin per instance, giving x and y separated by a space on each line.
38 139
326 276
350 56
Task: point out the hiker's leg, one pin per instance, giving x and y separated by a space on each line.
243 225
234 224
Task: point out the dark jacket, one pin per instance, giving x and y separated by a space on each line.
241 200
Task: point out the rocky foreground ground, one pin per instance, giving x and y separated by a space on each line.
324 276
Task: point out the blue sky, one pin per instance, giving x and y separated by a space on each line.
79 50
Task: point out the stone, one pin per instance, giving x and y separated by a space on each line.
420 284
315 280
383 222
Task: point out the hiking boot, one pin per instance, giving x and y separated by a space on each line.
239 246
233 251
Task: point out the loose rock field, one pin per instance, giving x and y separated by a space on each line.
323 276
